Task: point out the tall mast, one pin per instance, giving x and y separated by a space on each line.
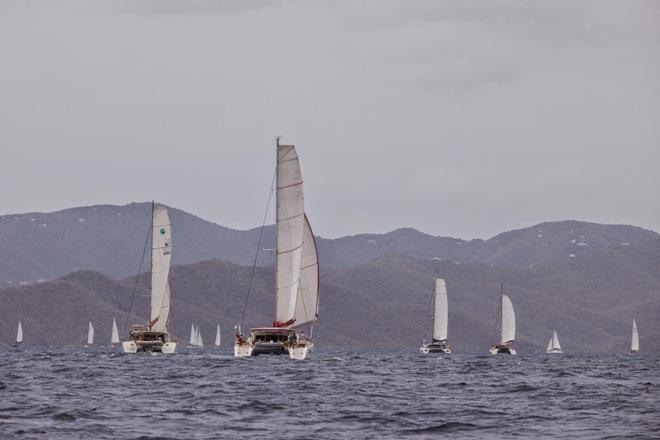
151 230
277 215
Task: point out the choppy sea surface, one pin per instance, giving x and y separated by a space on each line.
83 393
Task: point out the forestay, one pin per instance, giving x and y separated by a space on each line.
161 254
508 320
440 311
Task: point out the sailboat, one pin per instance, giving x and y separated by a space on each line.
297 271
114 339
218 337
634 342
90 334
19 333
553 344
155 337
198 338
508 326
440 320
193 335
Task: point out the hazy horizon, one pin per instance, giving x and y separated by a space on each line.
461 119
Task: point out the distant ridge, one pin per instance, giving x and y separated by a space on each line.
109 239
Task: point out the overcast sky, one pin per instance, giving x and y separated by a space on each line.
460 118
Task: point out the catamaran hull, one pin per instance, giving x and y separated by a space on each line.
425 349
301 353
133 347
499 349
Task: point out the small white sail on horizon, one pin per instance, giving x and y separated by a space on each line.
193 334
198 338
553 344
114 339
508 333
90 334
218 337
634 341
19 332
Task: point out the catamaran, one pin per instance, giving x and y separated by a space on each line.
440 321
19 333
297 271
155 337
90 334
114 339
218 337
553 344
634 341
508 326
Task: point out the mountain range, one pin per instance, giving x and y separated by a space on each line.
111 239
585 280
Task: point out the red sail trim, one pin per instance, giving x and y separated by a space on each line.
283 324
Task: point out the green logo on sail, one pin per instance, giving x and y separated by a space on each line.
162 231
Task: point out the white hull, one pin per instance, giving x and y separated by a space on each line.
426 349
502 350
558 351
243 350
301 352
132 347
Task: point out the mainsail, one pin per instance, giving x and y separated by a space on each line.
634 342
198 338
90 334
555 341
19 332
440 311
297 257
193 335
217 336
508 320
114 339
161 254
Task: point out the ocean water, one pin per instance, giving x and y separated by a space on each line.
99 393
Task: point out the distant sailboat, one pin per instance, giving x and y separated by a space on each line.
19 333
114 339
198 338
508 326
634 342
218 338
90 334
440 321
155 336
297 270
553 344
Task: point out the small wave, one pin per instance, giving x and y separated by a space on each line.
445 427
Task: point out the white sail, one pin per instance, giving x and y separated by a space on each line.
161 254
217 336
440 311
307 301
90 334
555 341
549 345
508 320
199 341
19 332
193 334
634 342
114 339
290 226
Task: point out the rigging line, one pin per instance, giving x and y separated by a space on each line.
256 255
137 278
